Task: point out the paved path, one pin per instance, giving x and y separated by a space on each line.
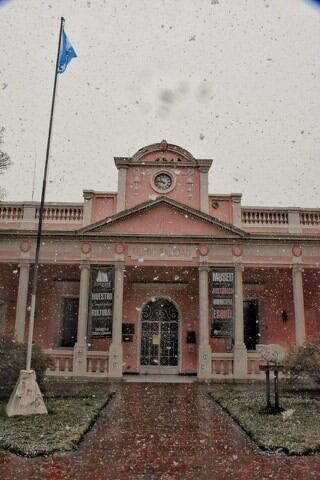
162 431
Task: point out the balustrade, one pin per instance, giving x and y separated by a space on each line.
97 363
310 218
264 217
222 365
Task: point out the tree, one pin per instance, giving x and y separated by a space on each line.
4 162
304 361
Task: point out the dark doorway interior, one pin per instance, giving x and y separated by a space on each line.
251 323
70 309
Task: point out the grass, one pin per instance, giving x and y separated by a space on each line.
296 431
62 429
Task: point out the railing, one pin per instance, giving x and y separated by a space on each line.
292 220
310 218
97 363
61 214
26 215
254 361
259 216
8 212
222 365
62 362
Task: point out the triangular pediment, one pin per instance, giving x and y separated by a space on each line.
163 216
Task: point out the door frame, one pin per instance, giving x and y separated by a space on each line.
159 370
59 323
259 301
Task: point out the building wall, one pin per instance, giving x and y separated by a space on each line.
139 178
273 288
186 299
311 290
9 281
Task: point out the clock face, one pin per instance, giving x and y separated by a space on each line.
163 181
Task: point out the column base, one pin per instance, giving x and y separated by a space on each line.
26 398
240 362
80 358
115 360
204 362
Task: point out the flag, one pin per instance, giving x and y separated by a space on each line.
66 53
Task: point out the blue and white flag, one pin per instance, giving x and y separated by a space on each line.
66 54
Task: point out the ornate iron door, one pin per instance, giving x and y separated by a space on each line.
159 337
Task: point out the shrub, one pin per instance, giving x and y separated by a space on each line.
13 359
304 361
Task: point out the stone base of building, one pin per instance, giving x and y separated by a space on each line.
240 360
80 359
204 362
115 360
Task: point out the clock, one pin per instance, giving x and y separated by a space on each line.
163 181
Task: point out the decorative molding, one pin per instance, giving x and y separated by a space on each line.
161 252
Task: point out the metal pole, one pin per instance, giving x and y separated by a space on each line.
268 388
276 390
44 184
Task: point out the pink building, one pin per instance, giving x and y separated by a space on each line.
161 277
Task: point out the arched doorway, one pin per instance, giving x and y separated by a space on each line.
159 337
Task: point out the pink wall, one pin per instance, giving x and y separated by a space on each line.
311 290
273 289
103 206
139 178
9 280
186 300
165 220
221 208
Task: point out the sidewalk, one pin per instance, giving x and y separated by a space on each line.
162 431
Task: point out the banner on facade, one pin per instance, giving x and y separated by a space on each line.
222 298
101 301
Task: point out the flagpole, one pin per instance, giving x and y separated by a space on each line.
44 184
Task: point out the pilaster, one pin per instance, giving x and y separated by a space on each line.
236 210
204 199
121 197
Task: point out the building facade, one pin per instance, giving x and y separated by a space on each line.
161 277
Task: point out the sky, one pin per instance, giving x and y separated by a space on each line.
232 80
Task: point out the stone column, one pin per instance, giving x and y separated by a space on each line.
121 197
240 368
115 351
80 347
204 353
22 297
298 304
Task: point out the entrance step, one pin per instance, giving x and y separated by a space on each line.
159 378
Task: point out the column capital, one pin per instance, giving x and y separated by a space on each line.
239 267
84 265
119 265
203 267
297 268
24 263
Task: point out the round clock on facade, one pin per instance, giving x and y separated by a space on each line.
163 181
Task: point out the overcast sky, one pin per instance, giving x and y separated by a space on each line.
233 80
